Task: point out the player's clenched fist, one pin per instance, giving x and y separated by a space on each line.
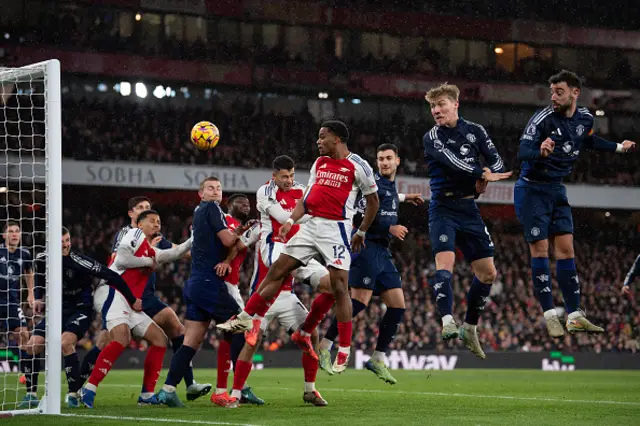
546 148
628 146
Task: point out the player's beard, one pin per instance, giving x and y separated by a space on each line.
241 216
562 108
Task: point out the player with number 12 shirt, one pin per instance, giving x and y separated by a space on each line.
335 180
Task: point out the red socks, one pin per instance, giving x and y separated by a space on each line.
241 374
105 361
257 305
152 366
319 308
224 364
310 367
344 333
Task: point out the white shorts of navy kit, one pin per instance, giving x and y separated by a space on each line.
115 311
288 310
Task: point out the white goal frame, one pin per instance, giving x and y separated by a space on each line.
50 71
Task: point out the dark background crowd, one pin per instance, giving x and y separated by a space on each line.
126 131
512 320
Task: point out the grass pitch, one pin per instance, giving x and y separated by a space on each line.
459 397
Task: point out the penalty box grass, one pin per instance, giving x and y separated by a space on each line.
473 397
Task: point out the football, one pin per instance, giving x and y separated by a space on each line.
205 135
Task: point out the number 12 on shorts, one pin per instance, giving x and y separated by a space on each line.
338 251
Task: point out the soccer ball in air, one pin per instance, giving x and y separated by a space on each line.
205 135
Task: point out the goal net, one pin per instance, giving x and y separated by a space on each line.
31 222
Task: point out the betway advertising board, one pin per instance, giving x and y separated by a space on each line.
188 177
420 360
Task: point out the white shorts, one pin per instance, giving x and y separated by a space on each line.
115 311
310 274
327 238
234 292
288 310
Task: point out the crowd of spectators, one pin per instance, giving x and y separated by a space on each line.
512 320
100 30
104 130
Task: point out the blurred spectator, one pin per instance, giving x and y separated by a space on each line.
512 320
125 131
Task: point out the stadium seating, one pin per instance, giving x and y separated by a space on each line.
101 131
511 322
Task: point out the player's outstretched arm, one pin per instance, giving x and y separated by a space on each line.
415 199
490 152
126 259
597 143
174 253
115 280
98 270
490 176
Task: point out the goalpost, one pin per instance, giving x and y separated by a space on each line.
31 196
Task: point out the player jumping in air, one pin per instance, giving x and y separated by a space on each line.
78 273
135 261
16 263
335 180
206 295
453 148
373 271
275 202
155 308
549 146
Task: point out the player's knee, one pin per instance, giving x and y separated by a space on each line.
157 337
29 347
539 248
121 334
68 343
23 337
340 291
35 345
564 251
103 339
325 284
394 298
488 275
193 341
177 330
172 325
